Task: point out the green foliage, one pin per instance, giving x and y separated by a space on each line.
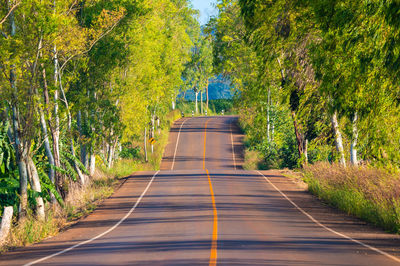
129 152
313 60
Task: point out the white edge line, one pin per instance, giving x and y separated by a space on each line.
102 234
233 148
177 142
329 229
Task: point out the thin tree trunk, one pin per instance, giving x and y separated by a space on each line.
338 139
201 102
268 118
92 163
306 152
145 143
21 154
72 149
301 140
207 95
197 110
353 150
47 148
35 183
83 155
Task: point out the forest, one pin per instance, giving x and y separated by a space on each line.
318 80
85 83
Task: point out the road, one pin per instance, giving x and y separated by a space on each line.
203 209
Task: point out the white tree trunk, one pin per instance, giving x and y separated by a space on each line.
306 151
72 149
201 102
353 150
5 224
268 118
197 109
35 183
338 139
145 143
92 163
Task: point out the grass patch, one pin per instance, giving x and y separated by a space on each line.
370 194
252 159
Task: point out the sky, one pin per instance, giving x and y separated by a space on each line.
206 9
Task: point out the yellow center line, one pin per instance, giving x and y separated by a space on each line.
213 253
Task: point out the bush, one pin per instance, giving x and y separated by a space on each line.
130 153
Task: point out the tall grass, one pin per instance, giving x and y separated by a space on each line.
81 201
370 194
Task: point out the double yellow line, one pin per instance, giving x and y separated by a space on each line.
213 254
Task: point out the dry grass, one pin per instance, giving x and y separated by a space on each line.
368 193
252 159
80 202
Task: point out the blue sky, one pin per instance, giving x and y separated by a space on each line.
206 9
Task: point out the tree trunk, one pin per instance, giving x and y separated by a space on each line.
152 133
83 150
72 149
197 110
207 95
268 118
35 183
110 154
43 124
145 143
92 162
173 103
306 152
353 150
21 153
5 224
201 102
338 139
300 139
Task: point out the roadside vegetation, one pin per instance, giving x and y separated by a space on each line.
317 89
369 193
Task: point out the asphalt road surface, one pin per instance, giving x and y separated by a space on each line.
203 209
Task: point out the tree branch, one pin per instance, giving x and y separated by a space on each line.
9 12
91 44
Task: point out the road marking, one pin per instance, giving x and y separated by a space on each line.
205 142
327 228
213 253
102 234
176 146
233 149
